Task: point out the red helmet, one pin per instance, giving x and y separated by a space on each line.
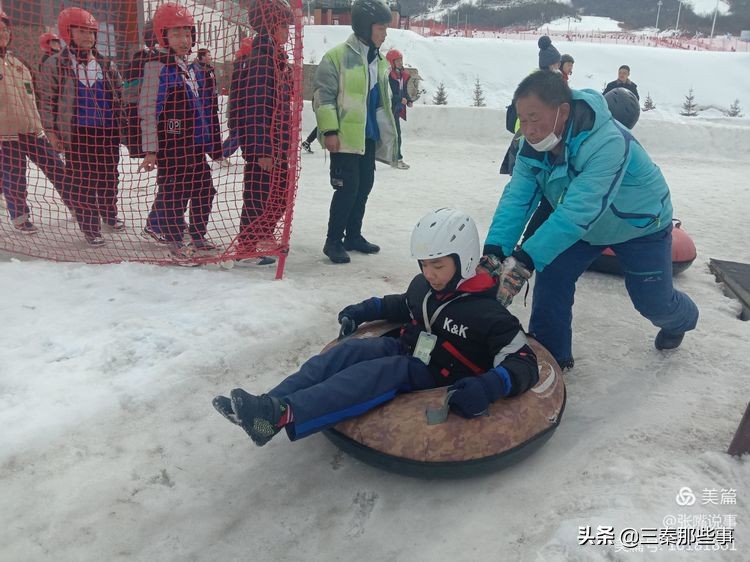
169 16
246 47
75 17
267 15
45 39
392 55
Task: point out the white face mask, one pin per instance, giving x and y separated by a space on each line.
550 141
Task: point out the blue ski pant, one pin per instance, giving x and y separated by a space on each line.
348 380
647 263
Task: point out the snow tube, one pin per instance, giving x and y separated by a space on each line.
396 436
683 254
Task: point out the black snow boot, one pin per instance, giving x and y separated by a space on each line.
335 251
359 244
259 416
665 340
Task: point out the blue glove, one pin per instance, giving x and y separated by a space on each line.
354 314
473 395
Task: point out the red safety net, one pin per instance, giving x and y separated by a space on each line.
154 132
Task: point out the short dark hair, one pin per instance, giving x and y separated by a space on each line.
548 85
202 53
624 66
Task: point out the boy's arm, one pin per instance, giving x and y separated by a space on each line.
147 106
515 371
325 97
48 97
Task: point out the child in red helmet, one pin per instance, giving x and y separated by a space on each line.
263 115
49 43
80 108
21 135
400 99
177 133
239 66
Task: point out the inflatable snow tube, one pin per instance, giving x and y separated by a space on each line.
396 436
683 254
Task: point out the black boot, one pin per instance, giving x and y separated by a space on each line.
306 146
259 416
359 244
665 340
335 251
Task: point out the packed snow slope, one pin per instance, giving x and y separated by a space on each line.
717 78
110 449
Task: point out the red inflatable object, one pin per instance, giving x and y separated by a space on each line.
683 254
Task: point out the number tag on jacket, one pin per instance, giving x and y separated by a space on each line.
425 345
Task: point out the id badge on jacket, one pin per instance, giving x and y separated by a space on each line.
425 344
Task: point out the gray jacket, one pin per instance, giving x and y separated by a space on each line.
57 91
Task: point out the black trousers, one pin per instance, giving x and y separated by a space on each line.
352 177
263 203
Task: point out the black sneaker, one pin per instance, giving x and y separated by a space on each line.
665 340
116 225
359 244
257 415
306 146
336 252
26 227
149 232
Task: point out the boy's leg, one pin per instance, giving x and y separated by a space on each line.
366 172
347 353
312 136
14 179
345 180
40 152
552 302
80 167
647 264
354 390
109 177
397 117
168 210
201 201
257 187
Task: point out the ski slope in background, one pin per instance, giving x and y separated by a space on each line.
717 78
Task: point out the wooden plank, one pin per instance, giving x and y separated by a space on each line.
736 279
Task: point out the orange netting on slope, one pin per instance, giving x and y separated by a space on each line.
154 132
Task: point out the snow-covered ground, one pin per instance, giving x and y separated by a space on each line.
717 78
584 23
110 448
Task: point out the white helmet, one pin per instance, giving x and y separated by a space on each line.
445 232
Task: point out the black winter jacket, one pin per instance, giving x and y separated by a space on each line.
475 332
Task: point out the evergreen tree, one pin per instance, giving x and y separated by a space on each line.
648 105
734 109
440 97
478 95
689 108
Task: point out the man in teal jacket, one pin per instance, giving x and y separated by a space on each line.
353 109
605 191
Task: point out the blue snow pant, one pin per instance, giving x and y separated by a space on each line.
647 263
347 381
13 156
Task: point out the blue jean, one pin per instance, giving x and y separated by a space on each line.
647 263
13 156
348 380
